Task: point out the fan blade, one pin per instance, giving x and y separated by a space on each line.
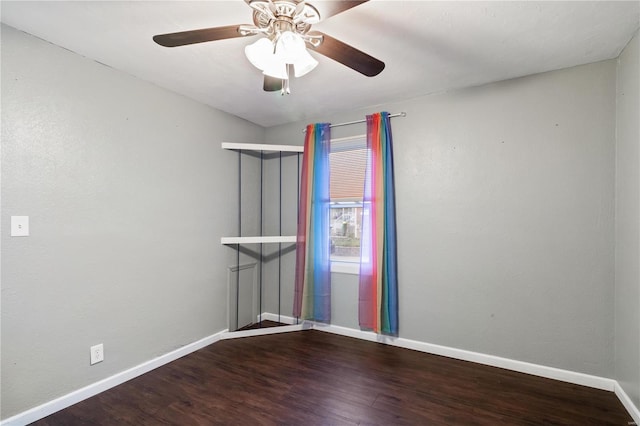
330 8
347 55
198 36
272 84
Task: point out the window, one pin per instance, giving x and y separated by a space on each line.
347 161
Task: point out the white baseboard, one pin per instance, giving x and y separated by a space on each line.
65 401
268 316
494 361
265 331
628 404
76 396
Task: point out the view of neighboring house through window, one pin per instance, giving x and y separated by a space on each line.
347 162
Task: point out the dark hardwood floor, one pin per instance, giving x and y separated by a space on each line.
316 378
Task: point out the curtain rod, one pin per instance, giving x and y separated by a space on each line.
398 114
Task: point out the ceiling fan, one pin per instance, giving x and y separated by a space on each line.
283 50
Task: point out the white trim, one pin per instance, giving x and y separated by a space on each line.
265 331
351 268
262 147
480 358
634 411
350 138
43 410
268 316
258 240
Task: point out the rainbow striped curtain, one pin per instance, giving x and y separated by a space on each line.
312 294
378 287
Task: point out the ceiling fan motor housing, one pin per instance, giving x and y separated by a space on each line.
283 15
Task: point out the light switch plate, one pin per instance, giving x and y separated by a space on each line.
19 226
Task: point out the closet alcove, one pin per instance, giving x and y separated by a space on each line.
260 278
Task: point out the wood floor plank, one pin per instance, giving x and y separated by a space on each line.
316 378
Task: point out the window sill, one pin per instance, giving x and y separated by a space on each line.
351 268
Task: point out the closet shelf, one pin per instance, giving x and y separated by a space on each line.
261 147
258 240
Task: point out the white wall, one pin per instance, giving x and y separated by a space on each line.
128 193
627 269
505 200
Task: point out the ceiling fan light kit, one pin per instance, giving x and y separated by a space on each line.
271 56
283 48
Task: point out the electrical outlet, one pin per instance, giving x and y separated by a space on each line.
97 353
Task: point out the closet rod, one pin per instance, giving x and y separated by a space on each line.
398 114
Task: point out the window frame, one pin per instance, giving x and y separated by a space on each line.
350 143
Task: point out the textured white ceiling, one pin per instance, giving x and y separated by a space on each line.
427 47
